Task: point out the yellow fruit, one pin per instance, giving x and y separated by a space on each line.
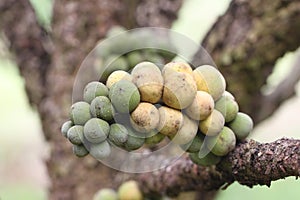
117 76
170 121
178 67
213 124
130 191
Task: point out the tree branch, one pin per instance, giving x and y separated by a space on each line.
250 163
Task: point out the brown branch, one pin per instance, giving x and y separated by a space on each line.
251 163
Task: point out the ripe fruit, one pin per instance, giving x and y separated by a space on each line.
101 107
96 130
242 125
75 134
124 96
117 76
201 107
227 106
147 77
210 80
106 194
80 150
118 134
100 150
178 67
130 191
213 124
170 121
94 89
65 127
114 63
145 117
80 113
208 160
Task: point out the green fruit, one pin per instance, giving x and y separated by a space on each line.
114 63
106 194
96 130
213 124
65 127
94 89
80 150
170 121
80 113
195 145
124 96
242 125
115 30
144 118
148 78
208 160
130 191
75 134
101 150
201 107
134 58
117 76
155 59
227 106
101 107
223 143
118 134
133 142
210 80
155 139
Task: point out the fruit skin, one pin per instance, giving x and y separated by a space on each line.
65 127
179 89
94 89
223 143
118 134
195 145
80 150
242 125
134 58
124 96
148 78
144 118
106 194
100 150
178 67
201 107
129 190
96 130
114 63
134 141
187 132
213 124
101 107
80 113
117 76
154 139
227 106
170 121
210 80
208 160
75 134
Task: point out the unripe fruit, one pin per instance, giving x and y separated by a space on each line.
213 124
124 96
134 58
223 143
65 127
106 194
210 80
75 134
101 107
195 145
178 67
96 130
134 142
101 150
227 106
179 89
118 134
130 191
94 89
80 150
117 76
114 63
242 125
208 160
80 113
144 118
155 139
201 107
170 121
155 58
148 78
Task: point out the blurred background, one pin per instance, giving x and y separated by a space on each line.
23 149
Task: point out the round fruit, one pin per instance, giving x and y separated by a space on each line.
213 124
227 106
115 30
96 130
147 77
223 143
101 107
130 191
201 107
65 127
210 80
195 145
242 125
94 89
117 76
101 150
178 67
134 58
114 63
106 194
124 96
170 121
118 134
208 160
80 113
179 89
80 150
145 117
75 134
155 139
134 141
